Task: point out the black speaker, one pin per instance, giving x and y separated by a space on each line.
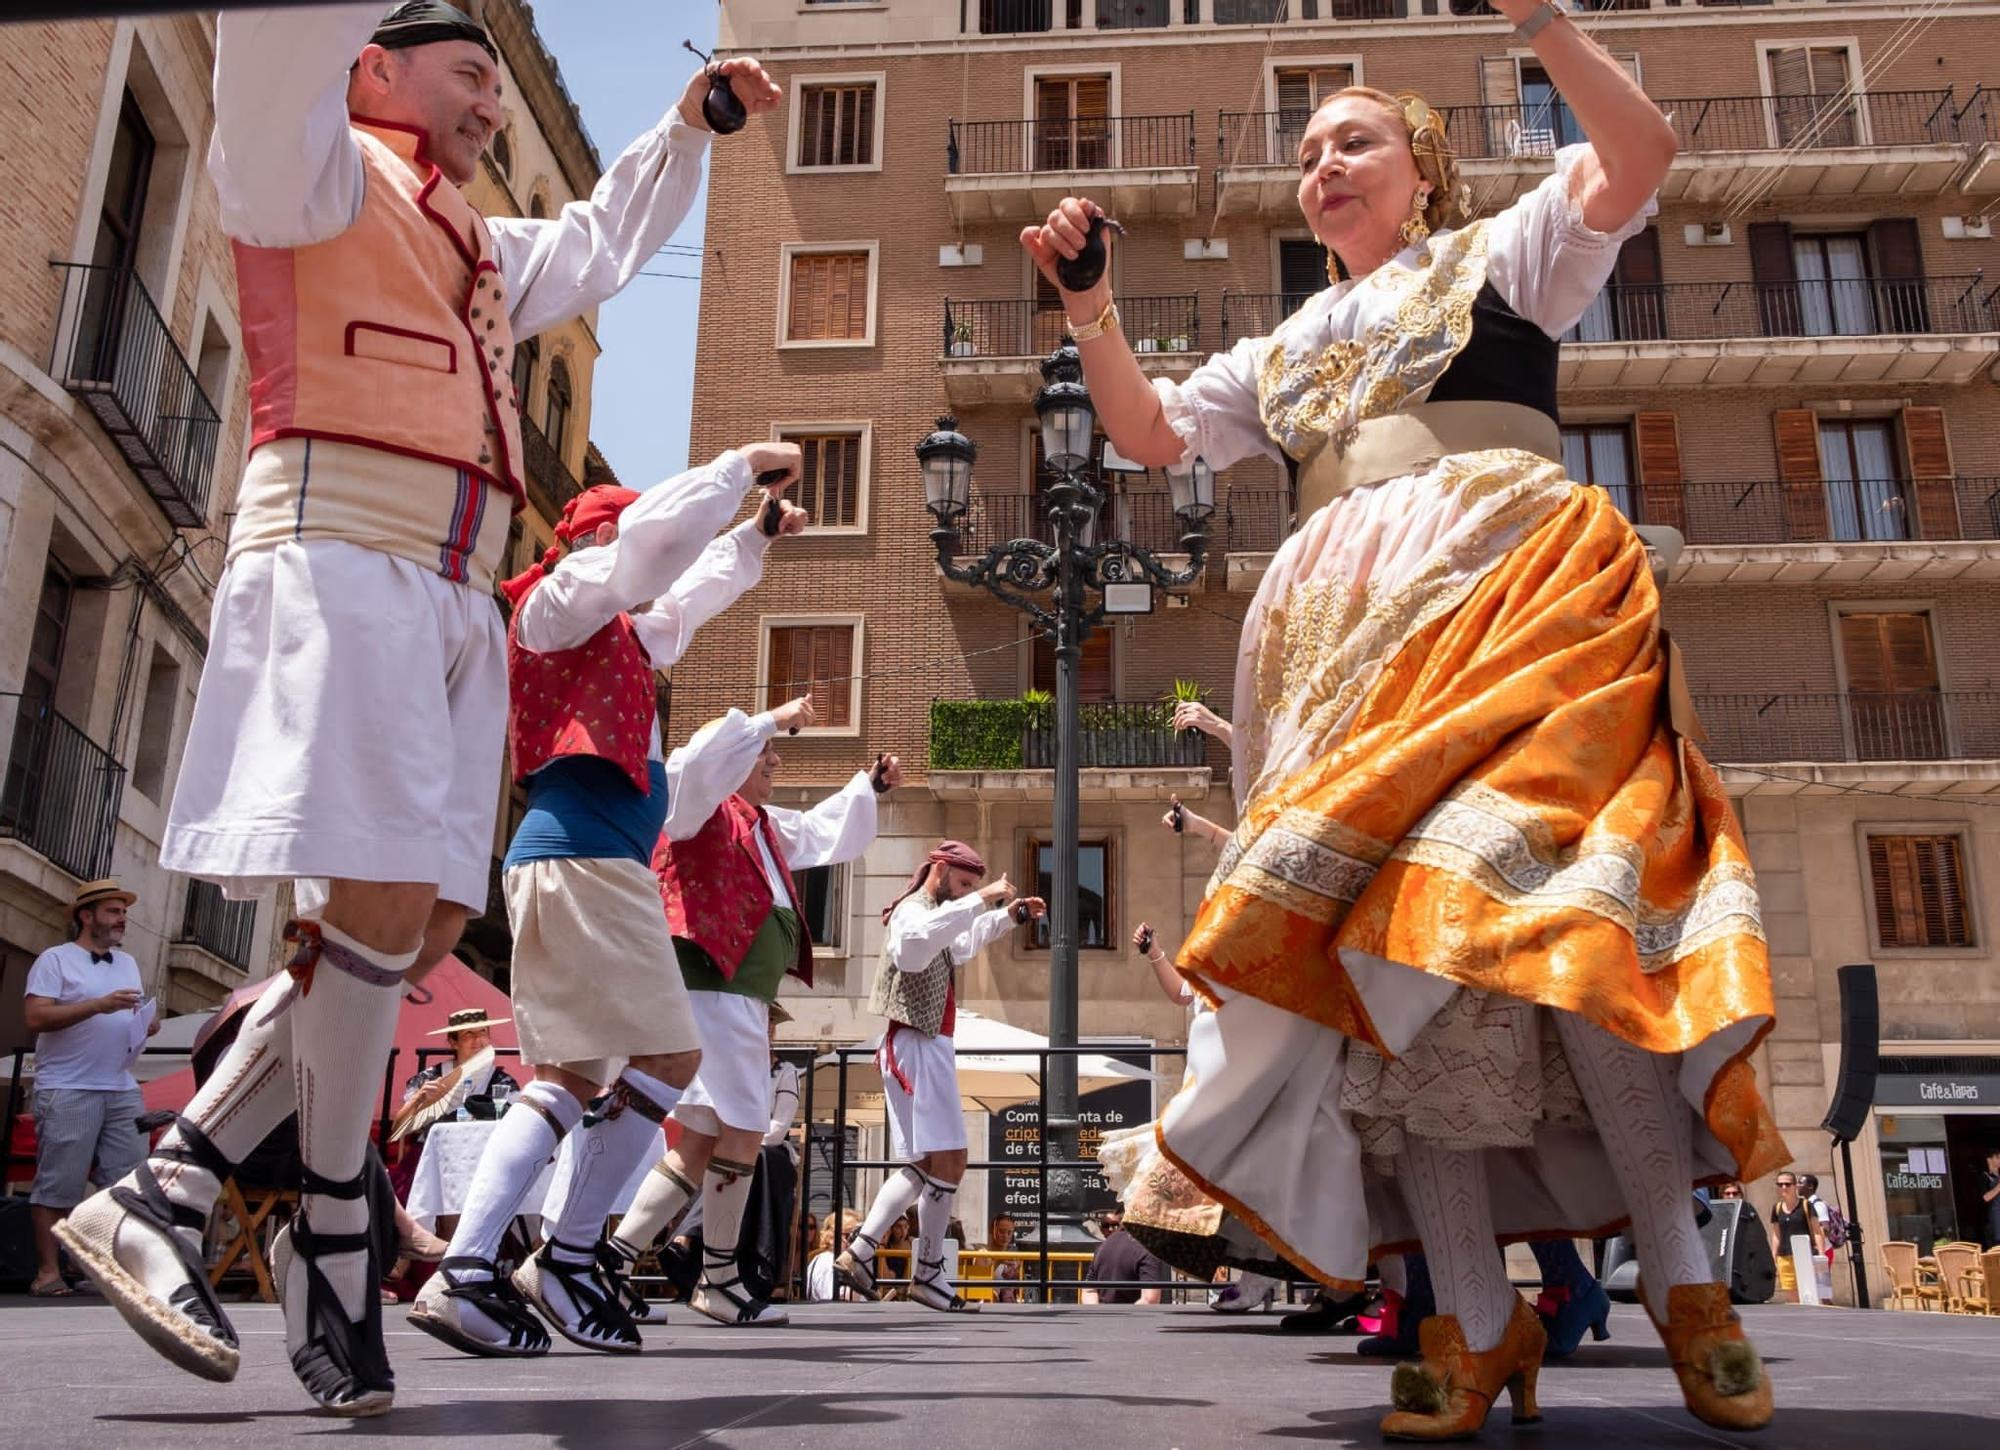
1740 1251
1860 1051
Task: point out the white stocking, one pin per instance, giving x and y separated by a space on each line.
603 1158
934 1217
521 1143
1648 1133
660 1204
899 1191
1445 1189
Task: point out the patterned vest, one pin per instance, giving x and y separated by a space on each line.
921 999
394 334
715 890
593 699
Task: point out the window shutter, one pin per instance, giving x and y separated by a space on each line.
1893 870
1827 66
1799 473
1864 653
1791 72
1897 253
1629 60
1641 299
1500 84
1927 452
1295 91
1912 661
1919 885
1773 274
1094 675
1941 879
1662 500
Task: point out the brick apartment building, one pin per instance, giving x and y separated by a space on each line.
123 426
1794 365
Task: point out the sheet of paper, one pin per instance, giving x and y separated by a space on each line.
142 1021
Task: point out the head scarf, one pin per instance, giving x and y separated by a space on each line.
601 503
425 22
954 854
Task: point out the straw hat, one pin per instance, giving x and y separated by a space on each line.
467 1019
96 893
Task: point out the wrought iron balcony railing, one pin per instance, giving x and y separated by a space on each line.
62 789
1256 314
1027 327
1130 734
1832 307
1842 511
1532 130
1834 727
1144 517
1257 520
545 467
1091 143
220 927
116 355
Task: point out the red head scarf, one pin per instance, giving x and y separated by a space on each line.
599 504
954 854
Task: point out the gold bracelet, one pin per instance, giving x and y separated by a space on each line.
1105 321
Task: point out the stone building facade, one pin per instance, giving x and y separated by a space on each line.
1794 365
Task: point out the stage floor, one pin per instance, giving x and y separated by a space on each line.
891 1375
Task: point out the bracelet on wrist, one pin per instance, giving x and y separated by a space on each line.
1104 322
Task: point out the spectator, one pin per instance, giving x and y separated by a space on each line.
1731 1189
1790 1217
1120 1257
83 999
1989 1194
1000 1239
827 1245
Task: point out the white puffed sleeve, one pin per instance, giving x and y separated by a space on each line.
1215 410
1544 260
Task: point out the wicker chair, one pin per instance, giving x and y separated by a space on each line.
1980 1291
1909 1277
1954 1262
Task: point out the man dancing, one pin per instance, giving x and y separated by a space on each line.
590 943
348 725
943 919
725 864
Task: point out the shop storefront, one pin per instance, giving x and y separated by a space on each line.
1936 1118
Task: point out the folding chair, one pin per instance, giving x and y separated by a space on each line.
251 1216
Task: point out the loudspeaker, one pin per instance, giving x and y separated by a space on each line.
1740 1251
1860 1051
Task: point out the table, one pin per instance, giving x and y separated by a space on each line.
451 1155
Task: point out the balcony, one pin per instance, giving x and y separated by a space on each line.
115 354
1940 330
993 349
1979 124
1885 143
992 750
550 483
222 928
1136 167
1917 742
1255 521
62 790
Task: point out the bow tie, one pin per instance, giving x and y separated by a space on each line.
103 957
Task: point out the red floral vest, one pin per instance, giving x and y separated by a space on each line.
715 889
593 699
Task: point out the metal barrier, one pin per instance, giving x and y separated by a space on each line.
1040 1166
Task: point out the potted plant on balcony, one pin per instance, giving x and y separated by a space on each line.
1185 692
961 341
1149 344
1179 342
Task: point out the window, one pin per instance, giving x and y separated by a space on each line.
1835 295
503 153
156 724
1601 454
1248 12
1096 923
1096 675
1544 113
830 487
1633 305
115 252
1920 891
1811 104
1302 271
526 354
25 763
1072 123
830 296
817 659
1298 91
538 206
1834 284
558 407
1864 495
823 903
1894 708
837 125
1131 14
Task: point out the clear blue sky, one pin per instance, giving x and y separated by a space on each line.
623 62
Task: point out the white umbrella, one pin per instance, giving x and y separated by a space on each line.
1001 1067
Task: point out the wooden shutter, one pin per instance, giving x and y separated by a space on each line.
1897 253
1641 298
1919 886
816 660
1775 277
1888 653
1500 85
1927 454
1661 497
829 296
830 488
1799 475
1095 683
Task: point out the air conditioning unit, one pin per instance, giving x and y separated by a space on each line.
1708 234
1967 228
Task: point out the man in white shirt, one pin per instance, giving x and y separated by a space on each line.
348 728
83 1001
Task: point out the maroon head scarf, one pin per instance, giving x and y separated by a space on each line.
955 854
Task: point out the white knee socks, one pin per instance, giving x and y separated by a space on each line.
1648 1133
1445 1189
341 1030
660 1204
899 1191
514 1154
725 1189
604 1156
934 1217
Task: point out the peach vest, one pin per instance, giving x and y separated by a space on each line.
394 334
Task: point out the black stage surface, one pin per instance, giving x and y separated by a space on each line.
889 1376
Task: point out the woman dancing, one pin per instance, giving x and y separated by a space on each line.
1485 945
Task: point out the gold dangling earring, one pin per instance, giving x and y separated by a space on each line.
1416 230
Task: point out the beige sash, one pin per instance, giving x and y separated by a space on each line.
1413 439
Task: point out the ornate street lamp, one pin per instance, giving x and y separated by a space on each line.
1067 588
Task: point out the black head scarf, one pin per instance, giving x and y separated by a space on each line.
425 22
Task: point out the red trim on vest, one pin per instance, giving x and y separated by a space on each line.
715 890
595 698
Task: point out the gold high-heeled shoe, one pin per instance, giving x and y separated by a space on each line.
1722 1379
1446 1397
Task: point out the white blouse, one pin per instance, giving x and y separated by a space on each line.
1542 258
